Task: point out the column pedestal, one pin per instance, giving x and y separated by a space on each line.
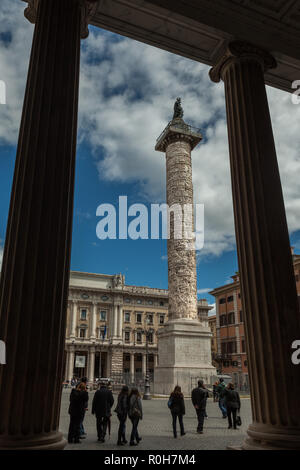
184 352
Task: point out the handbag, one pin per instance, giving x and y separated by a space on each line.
136 412
238 420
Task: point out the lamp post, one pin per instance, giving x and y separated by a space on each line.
147 333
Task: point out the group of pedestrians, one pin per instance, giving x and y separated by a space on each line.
129 405
229 403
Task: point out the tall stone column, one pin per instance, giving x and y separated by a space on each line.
93 321
184 344
35 271
73 320
132 371
71 362
91 361
270 307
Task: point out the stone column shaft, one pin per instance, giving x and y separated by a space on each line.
182 278
93 321
73 320
270 307
132 371
35 271
71 363
120 321
91 368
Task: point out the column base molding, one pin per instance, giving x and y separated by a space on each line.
49 441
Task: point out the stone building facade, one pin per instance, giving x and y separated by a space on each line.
231 352
107 322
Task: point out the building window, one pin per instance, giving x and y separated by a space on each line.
161 303
127 358
127 317
230 298
231 347
231 318
150 319
139 358
150 338
222 301
82 332
127 301
223 320
83 314
138 301
239 295
139 337
161 319
150 302
243 346
138 318
127 337
103 315
241 316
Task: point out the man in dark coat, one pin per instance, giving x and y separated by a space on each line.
78 400
199 397
101 407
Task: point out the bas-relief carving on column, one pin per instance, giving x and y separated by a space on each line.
88 10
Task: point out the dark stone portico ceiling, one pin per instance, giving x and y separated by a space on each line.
201 29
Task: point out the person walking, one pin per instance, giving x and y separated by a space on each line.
135 413
122 411
199 398
101 407
177 408
84 380
221 395
233 404
78 400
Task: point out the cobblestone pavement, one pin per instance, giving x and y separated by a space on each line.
156 428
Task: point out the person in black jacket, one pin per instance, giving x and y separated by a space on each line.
232 403
177 408
199 398
78 401
101 407
122 411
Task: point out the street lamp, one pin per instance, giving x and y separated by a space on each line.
147 333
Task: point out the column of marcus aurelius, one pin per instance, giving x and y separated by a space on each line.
184 344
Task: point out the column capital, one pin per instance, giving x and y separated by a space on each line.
238 51
88 9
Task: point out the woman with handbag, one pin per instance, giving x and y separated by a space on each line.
122 410
135 413
177 408
233 405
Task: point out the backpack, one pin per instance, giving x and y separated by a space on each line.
170 402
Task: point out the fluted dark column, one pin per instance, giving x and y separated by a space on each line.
35 270
272 320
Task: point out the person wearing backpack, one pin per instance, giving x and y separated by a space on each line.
233 405
177 408
199 398
135 413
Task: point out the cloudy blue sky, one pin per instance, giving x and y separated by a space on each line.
127 91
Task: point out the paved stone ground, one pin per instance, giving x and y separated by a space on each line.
156 428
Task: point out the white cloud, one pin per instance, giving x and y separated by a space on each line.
213 311
204 290
127 91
